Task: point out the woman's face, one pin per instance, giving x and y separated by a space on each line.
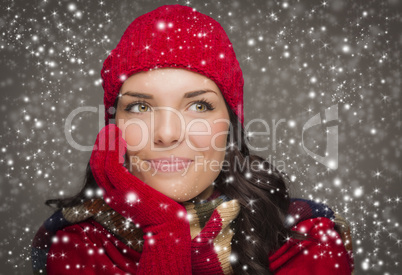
172 113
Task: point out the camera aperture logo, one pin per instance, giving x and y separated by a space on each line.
330 159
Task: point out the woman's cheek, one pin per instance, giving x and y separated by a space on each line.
220 133
199 135
214 141
135 133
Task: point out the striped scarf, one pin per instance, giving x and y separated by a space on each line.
210 219
218 206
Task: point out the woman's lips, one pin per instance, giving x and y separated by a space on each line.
169 165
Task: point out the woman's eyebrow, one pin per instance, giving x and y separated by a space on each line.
196 93
140 95
186 95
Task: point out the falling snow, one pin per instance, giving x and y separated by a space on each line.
298 59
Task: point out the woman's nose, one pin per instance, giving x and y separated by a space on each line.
168 127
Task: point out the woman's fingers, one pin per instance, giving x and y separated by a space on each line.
104 149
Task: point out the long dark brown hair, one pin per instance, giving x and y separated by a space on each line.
263 194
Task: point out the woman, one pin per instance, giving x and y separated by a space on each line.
171 187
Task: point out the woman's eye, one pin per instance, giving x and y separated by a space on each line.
201 106
137 108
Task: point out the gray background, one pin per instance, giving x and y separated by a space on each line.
298 58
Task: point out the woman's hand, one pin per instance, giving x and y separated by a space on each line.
123 191
167 239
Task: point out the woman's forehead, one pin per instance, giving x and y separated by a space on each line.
179 73
168 80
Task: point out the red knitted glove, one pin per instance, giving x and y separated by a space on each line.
167 240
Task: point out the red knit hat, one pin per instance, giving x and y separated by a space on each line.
174 36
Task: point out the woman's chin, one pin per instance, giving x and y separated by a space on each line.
178 197
172 185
